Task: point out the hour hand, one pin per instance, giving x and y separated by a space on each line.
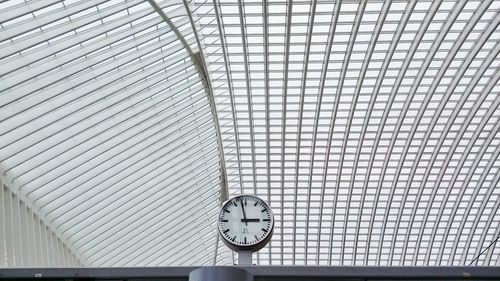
250 220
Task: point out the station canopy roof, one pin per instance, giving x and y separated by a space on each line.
371 127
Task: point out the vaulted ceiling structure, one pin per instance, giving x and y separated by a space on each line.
107 135
371 127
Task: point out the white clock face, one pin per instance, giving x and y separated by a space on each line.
246 220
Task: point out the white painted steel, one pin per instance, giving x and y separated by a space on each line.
371 128
109 148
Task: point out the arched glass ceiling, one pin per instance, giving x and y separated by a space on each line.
107 133
372 127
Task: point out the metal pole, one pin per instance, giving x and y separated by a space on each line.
220 273
244 258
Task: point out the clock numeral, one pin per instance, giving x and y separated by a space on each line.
256 238
265 230
227 211
225 231
263 210
245 239
256 202
266 220
234 238
224 220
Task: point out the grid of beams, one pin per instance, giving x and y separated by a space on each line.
107 134
371 127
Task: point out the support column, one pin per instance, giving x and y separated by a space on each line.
220 273
244 258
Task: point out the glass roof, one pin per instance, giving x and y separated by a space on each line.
371 127
107 133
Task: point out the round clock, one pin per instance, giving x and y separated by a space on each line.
246 223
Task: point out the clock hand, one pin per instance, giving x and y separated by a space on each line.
250 220
244 215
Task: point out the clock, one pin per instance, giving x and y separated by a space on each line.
246 223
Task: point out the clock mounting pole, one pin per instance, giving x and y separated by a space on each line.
244 257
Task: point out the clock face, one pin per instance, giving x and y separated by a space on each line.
246 223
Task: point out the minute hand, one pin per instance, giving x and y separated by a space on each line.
244 215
